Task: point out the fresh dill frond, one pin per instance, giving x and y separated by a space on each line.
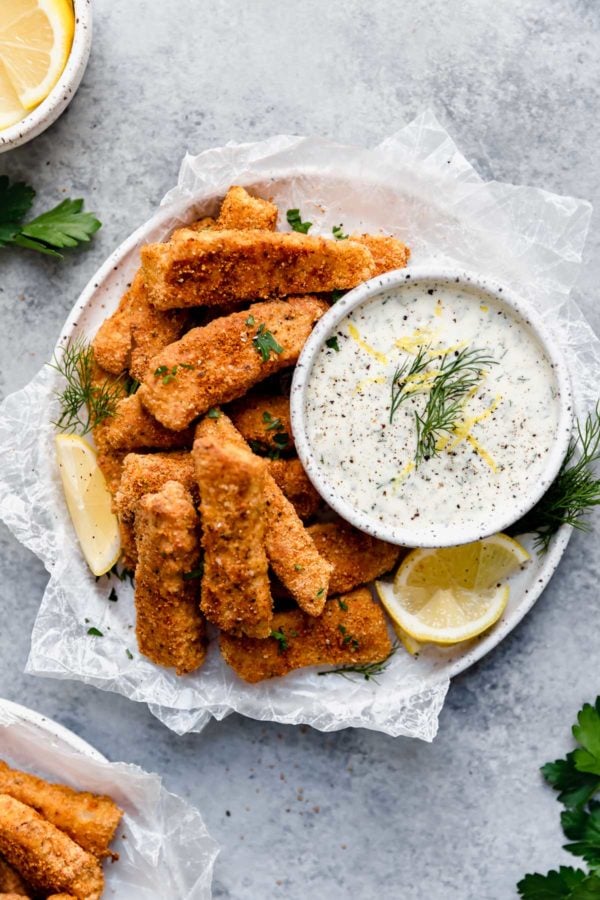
574 491
403 377
459 373
369 671
85 403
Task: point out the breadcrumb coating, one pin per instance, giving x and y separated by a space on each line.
290 477
351 631
210 268
356 557
222 361
388 252
132 427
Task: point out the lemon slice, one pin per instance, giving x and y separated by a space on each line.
89 503
11 108
35 42
452 594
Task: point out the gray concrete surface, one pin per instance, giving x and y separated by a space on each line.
355 814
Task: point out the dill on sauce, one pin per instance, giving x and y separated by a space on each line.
404 375
84 402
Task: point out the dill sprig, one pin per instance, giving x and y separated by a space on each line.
459 373
369 671
574 491
404 376
84 402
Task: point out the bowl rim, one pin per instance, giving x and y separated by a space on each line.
440 536
43 116
50 728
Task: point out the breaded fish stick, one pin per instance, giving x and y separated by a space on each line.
136 332
210 268
48 859
290 549
356 557
147 474
293 554
350 633
241 212
388 252
222 360
133 428
89 819
169 626
110 463
11 883
13 896
236 594
290 477
264 421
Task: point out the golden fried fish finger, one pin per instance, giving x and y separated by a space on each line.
222 360
264 421
132 427
210 268
241 212
356 557
136 332
388 252
146 474
46 857
169 626
351 632
236 594
89 819
290 477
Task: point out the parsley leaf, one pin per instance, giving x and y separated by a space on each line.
587 732
553 886
295 221
95 632
281 638
66 225
333 344
338 233
575 787
337 295
584 829
15 201
214 413
264 342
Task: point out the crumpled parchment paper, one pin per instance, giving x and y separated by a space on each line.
415 185
163 845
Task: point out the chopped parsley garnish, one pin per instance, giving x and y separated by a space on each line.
95 632
162 370
131 385
66 225
282 439
338 233
320 592
265 343
295 221
195 573
337 295
333 344
342 604
250 320
272 422
113 596
129 654
298 567
214 413
281 638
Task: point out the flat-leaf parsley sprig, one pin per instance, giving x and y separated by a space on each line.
265 343
577 778
574 491
66 225
294 220
84 403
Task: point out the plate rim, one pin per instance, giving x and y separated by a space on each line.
51 727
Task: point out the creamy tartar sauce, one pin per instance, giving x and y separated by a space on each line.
499 444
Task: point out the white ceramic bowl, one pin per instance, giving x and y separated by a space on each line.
63 91
437 534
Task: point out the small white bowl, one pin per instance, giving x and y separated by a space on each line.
63 91
435 534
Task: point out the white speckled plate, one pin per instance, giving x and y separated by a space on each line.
102 294
48 729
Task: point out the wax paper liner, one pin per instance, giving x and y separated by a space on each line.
163 845
416 185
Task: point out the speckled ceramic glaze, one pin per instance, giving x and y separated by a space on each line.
325 430
63 91
48 730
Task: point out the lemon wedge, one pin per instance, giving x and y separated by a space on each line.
35 41
89 503
11 108
451 594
